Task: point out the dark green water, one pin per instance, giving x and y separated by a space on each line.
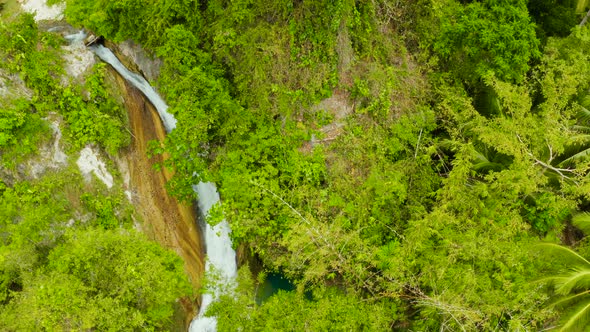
274 282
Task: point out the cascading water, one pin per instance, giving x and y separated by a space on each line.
75 38
220 254
140 83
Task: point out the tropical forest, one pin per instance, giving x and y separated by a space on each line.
294 165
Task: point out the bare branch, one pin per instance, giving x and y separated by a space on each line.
585 18
550 152
557 170
418 143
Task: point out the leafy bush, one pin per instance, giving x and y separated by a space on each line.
21 130
34 56
489 35
109 212
96 120
104 280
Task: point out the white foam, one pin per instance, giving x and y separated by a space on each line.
89 162
221 257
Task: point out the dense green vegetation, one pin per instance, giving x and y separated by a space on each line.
70 258
399 161
34 56
454 140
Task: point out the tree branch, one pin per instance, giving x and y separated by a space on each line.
418 143
550 152
585 18
547 165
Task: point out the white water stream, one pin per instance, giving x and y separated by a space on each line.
139 82
221 258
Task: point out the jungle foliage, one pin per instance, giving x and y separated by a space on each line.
91 113
398 161
70 259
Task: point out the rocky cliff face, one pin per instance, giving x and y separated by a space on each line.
165 219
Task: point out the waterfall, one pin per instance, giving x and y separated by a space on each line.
140 83
220 254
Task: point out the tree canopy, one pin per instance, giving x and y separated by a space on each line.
398 161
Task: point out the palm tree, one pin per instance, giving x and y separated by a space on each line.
578 150
572 287
485 158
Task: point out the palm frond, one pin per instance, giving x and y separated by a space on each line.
582 221
568 299
560 250
582 155
486 158
577 320
579 139
480 157
481 162
580 128
447 144
574 280
487 166
578 146
583 114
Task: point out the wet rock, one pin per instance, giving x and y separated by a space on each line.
147 65
93 39
165 219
